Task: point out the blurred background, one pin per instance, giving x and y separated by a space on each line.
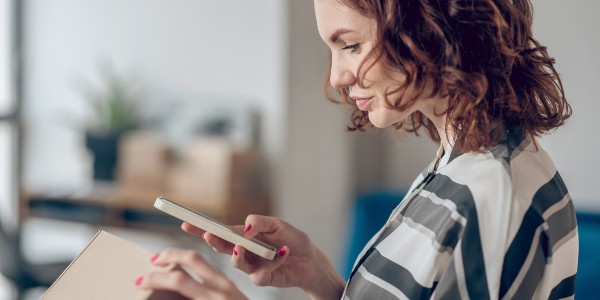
105 105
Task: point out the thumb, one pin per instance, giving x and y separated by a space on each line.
256 224
263 276
279 259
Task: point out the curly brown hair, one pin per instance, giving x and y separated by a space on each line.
478 54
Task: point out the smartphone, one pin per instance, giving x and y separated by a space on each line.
215 227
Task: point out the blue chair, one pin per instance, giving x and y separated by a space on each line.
588 273
370 212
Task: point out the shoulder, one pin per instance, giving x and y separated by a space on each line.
474 180
514 171
498 187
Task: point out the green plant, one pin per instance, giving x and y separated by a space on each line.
114 106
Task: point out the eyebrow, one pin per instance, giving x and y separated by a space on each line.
335 36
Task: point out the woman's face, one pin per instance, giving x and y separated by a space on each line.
350 36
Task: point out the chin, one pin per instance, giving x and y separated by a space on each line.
383 118
379 122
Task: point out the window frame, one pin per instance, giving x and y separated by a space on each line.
13 117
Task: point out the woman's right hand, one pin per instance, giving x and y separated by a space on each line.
298 262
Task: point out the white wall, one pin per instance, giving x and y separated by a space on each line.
6 82
570 30
406 156
317 168
230 49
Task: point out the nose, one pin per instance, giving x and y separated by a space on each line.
340 74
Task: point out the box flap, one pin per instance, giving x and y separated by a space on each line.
106 269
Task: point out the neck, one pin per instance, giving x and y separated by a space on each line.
432 113
445 132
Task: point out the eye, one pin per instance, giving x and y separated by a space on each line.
353 48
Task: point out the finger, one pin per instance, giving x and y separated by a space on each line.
219 244
215 242
256 224
263 276
260 270
238 260
177 281
238 228
191 229
193 262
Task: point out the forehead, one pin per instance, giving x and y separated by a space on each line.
333 16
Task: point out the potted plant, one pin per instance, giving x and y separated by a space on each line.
114 113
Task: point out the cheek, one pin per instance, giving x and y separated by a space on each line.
383 81
373 74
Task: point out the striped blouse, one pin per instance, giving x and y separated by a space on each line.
494 225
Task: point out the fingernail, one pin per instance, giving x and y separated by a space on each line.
282 251
138 281
204 236
154 257
235 252
247 228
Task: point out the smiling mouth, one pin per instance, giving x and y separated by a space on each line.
363 103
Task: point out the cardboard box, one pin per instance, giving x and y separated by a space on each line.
144 158
107 269
213 176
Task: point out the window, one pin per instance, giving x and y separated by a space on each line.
9 154
6 28
8 182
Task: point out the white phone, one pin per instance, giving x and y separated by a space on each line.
215 227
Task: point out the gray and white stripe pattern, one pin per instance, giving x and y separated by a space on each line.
493 225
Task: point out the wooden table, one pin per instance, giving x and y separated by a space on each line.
111 204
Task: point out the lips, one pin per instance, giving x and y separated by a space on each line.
362 102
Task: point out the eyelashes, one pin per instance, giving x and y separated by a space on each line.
353 48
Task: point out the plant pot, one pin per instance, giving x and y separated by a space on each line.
104 148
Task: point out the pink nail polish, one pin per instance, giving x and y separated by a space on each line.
204 236
235 252
282 251
247 228
154 257
138 281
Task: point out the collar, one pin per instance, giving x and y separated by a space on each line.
510 139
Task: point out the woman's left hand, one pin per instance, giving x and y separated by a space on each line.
215 285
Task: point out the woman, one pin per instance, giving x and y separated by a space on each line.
489 218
